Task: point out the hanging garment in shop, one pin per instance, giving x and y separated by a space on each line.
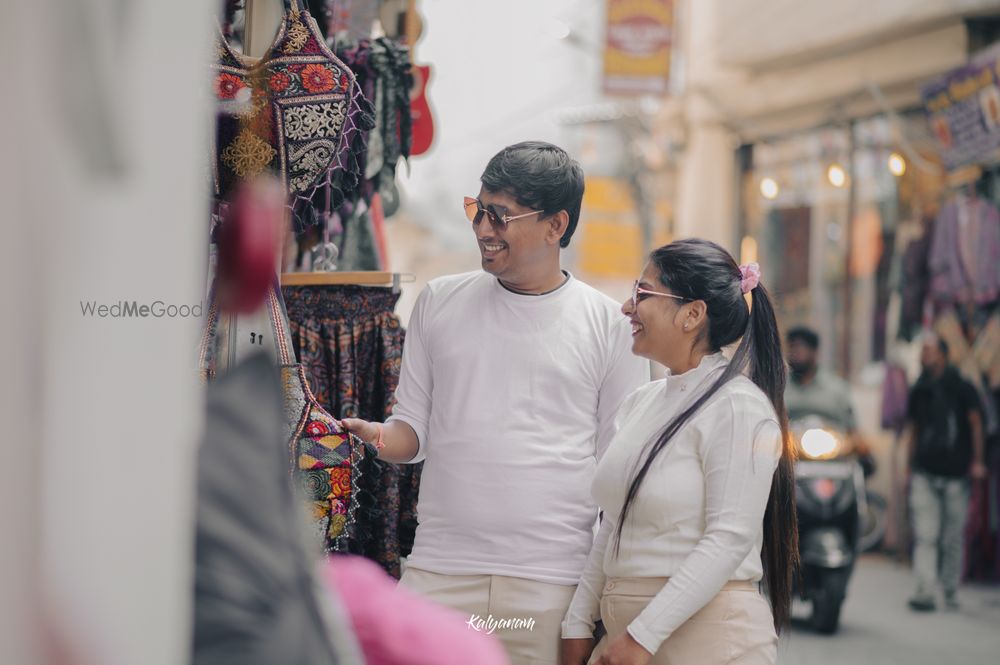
229 18
297 113
345 19
256 599
327 462
379 230
357 57
357 242
965 253
915 282
392 112
986 351
895 391
384 74
350 341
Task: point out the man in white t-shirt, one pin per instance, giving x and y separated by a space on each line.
510 381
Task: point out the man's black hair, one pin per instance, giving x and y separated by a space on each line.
540 176
806 335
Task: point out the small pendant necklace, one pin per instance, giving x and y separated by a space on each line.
543 293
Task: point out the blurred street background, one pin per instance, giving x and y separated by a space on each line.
877 630
852 148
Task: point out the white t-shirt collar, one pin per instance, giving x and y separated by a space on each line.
529 297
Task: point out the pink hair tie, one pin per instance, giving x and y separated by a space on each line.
751 276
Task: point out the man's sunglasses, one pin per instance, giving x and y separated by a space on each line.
474 210
639 293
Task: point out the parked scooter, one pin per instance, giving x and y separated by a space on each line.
830 500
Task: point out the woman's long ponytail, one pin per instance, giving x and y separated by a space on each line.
780 551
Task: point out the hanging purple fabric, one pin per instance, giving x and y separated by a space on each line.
894 396
953 279
915 282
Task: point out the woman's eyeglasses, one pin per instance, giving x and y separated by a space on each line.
639 291
474 210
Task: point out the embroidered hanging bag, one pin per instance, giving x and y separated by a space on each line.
324 459
297 113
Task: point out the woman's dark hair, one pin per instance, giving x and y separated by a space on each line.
540 176
701 270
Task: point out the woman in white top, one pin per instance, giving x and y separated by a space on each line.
696 487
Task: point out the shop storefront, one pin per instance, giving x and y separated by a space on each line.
877 228
845 198
323 110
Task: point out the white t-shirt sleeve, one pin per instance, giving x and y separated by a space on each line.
585 608
416 381
739 448
624 373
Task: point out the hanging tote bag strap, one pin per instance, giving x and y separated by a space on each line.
209 347
279 325
212 346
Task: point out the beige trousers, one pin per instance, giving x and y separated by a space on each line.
525 615
735 628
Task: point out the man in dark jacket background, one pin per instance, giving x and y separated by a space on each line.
945 435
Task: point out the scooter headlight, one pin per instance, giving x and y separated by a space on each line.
819 444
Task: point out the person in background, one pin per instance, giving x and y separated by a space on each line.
697 486
944 435
813 391
510 380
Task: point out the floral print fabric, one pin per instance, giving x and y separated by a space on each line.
350 343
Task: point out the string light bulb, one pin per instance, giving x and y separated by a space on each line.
769 188
836 174
897 165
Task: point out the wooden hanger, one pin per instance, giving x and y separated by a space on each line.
355 278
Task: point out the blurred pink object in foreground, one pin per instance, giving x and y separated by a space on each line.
397 627
249 240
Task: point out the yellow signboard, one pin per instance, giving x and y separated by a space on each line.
610 237
637 47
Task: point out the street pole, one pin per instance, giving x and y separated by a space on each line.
848 286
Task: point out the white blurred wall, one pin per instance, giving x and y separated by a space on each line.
105 124
20 385
755 33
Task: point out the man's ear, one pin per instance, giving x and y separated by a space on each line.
558 223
